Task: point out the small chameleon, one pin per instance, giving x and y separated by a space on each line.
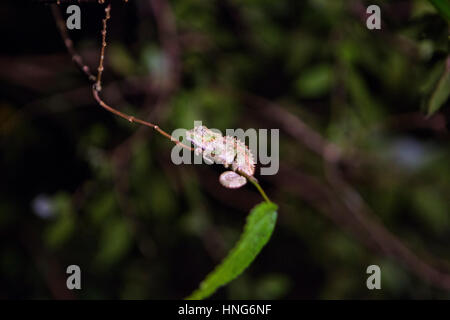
227 151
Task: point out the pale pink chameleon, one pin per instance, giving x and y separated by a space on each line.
227 151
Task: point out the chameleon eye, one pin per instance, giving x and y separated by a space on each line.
198 151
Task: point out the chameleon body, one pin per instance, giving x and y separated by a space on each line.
227 151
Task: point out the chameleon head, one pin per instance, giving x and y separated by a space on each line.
202 137
227 151
207 143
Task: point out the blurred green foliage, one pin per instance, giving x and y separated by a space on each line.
80 186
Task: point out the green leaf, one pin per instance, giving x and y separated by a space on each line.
121 60
443 6
315 81
59 232
257 231
441 92
115 241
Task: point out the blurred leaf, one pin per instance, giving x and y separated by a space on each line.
62 229
156 63
241 288
443 6
431 209
315 81
115 242
137 282
272 286
195 222
102 207
362 98
441 92
302 47
214 108
161 199
257 231
121 60
393 277
433 76
342 248
421 8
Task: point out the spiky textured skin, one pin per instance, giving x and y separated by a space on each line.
227 151
244 161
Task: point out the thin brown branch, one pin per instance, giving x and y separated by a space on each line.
296 128
387 243
69 44
133 119
345 207
102 50
167 33
98 86
58 2
97 80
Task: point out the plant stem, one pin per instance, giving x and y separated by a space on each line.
259 188
97 86
133 119
104 44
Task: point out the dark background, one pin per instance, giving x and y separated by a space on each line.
81 186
